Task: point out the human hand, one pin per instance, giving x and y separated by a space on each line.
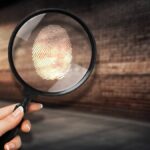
9 119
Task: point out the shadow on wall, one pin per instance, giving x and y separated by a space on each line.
5 3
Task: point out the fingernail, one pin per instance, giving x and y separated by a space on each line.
41 106
10 146
7 147
28 127
18 111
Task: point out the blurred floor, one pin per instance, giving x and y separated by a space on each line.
57 129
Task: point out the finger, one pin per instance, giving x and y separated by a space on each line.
11 120
14 144
5 111
26 126
34 107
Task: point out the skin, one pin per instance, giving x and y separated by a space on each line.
10 119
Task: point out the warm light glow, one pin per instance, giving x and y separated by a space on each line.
52 52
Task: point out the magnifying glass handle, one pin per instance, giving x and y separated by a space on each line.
12 133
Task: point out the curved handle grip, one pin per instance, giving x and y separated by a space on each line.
8 136
12 133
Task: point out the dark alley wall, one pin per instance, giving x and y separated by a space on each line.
120 84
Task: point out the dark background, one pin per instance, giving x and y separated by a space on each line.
120 85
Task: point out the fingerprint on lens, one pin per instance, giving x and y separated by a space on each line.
52 53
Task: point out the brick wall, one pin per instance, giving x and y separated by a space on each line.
120 84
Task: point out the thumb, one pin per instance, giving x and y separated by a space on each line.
11 121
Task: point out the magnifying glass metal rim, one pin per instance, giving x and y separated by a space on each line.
26 86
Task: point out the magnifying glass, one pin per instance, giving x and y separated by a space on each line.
51 52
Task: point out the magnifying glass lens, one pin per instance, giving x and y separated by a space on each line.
51 52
